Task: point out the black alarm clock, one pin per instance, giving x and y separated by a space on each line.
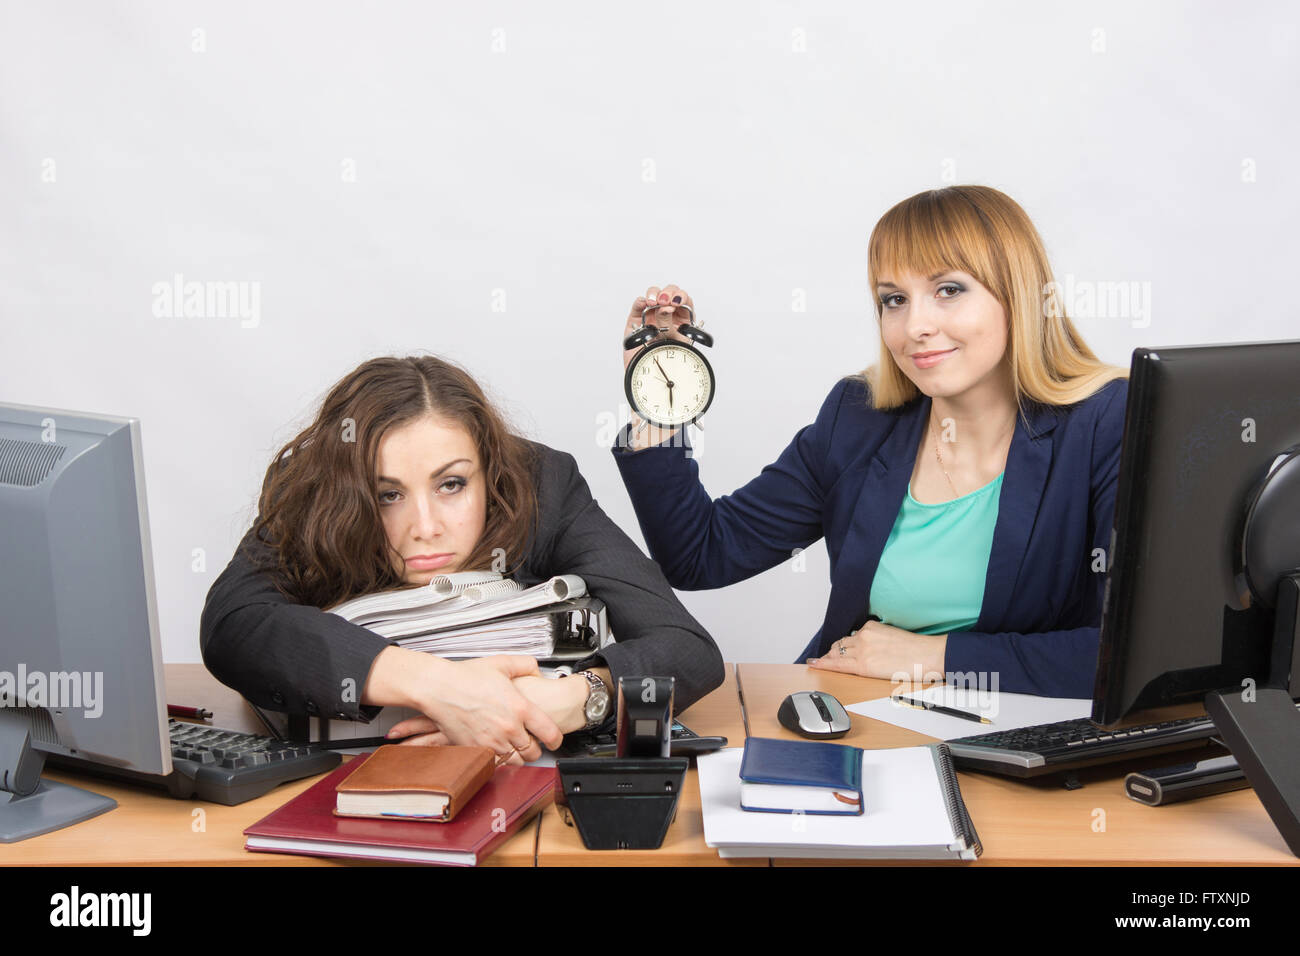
669 383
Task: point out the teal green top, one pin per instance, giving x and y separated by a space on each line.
932 571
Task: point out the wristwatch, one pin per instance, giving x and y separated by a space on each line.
597 707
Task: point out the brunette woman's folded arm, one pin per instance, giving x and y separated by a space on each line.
298 658
655 635
279 654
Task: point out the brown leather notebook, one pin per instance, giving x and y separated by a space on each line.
415 783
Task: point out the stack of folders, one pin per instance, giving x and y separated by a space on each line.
478 614
814 800
442 805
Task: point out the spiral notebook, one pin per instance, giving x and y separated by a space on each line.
912 810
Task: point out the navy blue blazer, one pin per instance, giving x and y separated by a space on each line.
844 477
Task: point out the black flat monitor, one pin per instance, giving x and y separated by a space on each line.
1182 614
1201 599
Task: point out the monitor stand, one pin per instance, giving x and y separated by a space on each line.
30 806
1262 729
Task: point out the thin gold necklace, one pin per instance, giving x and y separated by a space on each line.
939 458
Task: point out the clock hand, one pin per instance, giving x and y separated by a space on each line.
664 374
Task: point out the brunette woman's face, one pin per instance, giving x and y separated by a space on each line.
432 497
946 332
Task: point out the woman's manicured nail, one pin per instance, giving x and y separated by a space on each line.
676 299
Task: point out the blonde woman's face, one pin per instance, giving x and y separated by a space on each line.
432 497
946 332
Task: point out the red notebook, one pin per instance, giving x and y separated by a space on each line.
307 825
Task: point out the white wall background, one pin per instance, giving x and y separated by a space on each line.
381 169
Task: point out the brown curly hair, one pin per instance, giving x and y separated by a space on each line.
319 506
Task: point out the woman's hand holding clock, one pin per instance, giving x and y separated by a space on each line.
670 307
667 316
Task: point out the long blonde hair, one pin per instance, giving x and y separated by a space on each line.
985 233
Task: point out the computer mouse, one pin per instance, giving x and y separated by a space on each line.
814 713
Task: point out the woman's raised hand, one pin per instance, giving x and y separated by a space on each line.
667 316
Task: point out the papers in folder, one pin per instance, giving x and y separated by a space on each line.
473 614
533 634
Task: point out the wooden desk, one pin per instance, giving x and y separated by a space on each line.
149 828
1019 822
1043 824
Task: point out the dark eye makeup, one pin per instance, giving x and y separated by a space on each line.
448 486
955 288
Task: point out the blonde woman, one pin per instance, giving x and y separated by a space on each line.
965 485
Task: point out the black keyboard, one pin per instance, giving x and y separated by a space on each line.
223 766
1071 744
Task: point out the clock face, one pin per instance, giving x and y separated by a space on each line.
669 384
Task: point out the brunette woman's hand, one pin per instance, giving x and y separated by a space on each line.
417 732
563 699
465 702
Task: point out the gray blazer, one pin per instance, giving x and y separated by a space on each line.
296 658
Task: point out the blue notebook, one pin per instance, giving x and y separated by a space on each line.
788 776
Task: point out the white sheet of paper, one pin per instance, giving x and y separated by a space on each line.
1006 711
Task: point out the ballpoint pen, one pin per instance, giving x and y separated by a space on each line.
939 709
